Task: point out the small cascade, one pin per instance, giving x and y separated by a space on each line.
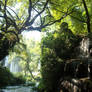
85 52
6 61
80 66
84 48
13 66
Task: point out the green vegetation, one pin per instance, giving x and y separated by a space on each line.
60 45
7 78
57 48
28 54
64 24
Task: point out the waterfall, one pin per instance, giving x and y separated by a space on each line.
85 52
84 48
13 66
6 61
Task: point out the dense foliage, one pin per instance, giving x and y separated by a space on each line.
60 46
17 16
43 15
57 48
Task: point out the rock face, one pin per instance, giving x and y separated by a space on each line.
78 72
77 77
76 85
76 69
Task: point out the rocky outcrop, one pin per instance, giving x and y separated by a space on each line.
78 72
76 85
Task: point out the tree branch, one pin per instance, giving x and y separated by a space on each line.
48 24
87 15
78 19
27 23
32 21
35 3
13 11
39 15
5 15
29 12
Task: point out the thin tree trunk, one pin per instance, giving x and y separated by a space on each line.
87 15
30 70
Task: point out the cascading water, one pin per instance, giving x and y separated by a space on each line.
84 48
85 52
6 61
13 66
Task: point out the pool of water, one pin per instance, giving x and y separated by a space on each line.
18 89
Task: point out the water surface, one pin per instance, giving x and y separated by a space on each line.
18 89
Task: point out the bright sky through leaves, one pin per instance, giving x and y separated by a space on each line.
36 35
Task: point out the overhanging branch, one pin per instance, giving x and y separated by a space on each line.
48 24
5 15
28 22
32 21
29 12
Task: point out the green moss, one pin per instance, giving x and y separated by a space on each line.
7 78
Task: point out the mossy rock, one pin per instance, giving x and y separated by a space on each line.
7 78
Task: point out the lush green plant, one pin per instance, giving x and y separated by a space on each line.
57 47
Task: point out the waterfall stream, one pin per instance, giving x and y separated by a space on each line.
13 66
84 48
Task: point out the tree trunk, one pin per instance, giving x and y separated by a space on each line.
28 68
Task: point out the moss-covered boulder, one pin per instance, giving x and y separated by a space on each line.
7 78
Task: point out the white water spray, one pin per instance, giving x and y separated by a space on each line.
13 66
